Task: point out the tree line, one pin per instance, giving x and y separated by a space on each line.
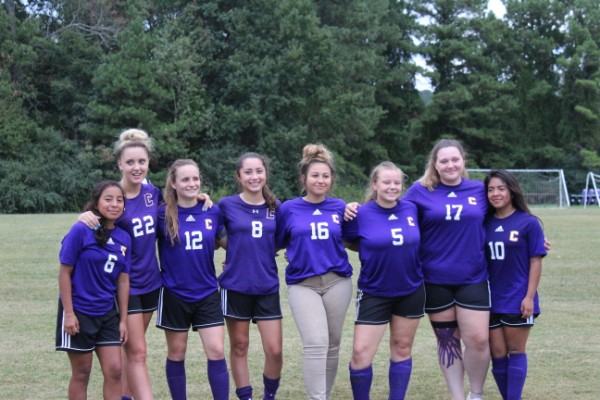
211 79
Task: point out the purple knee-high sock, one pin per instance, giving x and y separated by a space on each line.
175 371
271 386
360 380
517 373
500 372
399 376
218 378
244 393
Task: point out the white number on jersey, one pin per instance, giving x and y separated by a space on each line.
457 208
110 263
496 250
320 231
193 240
398 237
143 226
257 229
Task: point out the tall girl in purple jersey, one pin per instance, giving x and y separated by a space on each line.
390 285
187 237
94 269
318 273
515 247
250 281
451 215
133 151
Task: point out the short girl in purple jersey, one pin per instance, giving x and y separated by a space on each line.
94 269
515 247
187 237
451 215
250 281
390 285
318 273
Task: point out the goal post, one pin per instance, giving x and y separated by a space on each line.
591 194
541 187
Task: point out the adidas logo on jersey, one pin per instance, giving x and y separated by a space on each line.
499 229
392 218
110 241
452 194
190 219
317 212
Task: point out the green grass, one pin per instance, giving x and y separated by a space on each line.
564 347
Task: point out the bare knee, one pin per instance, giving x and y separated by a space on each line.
112 372
81 373
273 353
401 348
239 347
478 341
136 352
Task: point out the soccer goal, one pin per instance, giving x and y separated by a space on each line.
541 187
591 195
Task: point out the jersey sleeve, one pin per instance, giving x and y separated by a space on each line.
536 239
350 230
281 235
71 245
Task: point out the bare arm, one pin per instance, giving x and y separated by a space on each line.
208 203
351 211
71 323
535 273
123 300
90 219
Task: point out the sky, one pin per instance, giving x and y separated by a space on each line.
495 6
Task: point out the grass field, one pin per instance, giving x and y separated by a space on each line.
564 347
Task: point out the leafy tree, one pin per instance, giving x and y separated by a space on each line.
465 47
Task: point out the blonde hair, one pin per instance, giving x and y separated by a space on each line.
170 199
133 138
315 153
431 178
374 177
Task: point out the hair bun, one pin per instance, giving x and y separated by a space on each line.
316 152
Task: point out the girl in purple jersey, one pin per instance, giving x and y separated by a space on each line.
318 273
515 247
250 281
451 215
390 285
187 237
133 151
94 269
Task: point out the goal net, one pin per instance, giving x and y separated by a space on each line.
590 194
541 187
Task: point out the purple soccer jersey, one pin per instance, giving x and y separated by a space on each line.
250 266
452 235
312 236
388 248
188 268
139 220
96 268
511 242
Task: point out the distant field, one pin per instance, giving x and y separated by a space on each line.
564 347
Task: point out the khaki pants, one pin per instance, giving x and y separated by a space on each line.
319 305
